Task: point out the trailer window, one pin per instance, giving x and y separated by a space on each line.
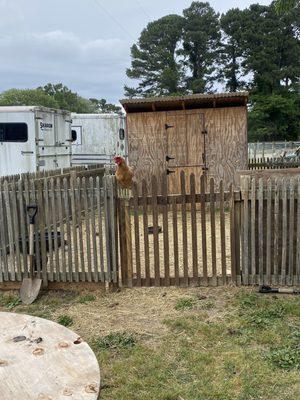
73 135
13 132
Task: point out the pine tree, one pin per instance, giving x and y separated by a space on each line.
201 37
271 48
231 50
154 59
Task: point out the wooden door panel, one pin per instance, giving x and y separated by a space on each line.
195 138
185 142
176 139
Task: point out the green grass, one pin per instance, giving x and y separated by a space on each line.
9 301
186 303
248 354
65 320
86 298
244 347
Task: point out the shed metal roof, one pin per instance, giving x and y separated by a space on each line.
192 101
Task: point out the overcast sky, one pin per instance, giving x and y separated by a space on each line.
84 44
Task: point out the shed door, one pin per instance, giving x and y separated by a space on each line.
185 148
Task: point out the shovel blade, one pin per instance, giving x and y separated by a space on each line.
30 289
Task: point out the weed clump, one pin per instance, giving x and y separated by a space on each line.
9 301
86 298
65 320
186 303
116 340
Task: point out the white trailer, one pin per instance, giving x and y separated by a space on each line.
34 139
98 138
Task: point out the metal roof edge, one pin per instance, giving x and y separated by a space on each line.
200 96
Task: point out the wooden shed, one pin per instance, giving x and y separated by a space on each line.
200 133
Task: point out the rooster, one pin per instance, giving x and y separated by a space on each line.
124 173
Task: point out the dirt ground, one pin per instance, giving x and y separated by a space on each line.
180 244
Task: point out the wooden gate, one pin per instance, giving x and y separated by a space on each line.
271 230
167 240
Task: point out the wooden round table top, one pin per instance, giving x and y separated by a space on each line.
42 360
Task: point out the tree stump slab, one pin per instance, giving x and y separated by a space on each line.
42 360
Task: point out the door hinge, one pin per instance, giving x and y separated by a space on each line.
169 171
168 158
168 126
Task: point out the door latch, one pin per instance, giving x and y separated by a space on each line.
168 126
168 158
169 171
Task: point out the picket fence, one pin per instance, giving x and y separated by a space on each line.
87 232
73 232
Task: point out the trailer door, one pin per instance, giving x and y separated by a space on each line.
63 135
45 139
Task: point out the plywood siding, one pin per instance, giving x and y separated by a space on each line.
226 143
147 145
225 147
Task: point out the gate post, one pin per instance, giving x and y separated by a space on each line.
125 242
110 214
235 236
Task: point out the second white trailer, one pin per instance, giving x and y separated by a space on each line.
97 138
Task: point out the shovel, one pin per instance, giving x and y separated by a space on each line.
268 289
31 286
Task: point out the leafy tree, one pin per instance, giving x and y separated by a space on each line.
27 97
154 59
102 106
201 36
66 99
274 117
231 50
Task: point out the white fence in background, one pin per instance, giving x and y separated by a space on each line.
271 149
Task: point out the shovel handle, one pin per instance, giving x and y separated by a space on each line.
31 211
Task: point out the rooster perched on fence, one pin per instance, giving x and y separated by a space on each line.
124 173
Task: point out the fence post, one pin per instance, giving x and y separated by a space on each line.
245 186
